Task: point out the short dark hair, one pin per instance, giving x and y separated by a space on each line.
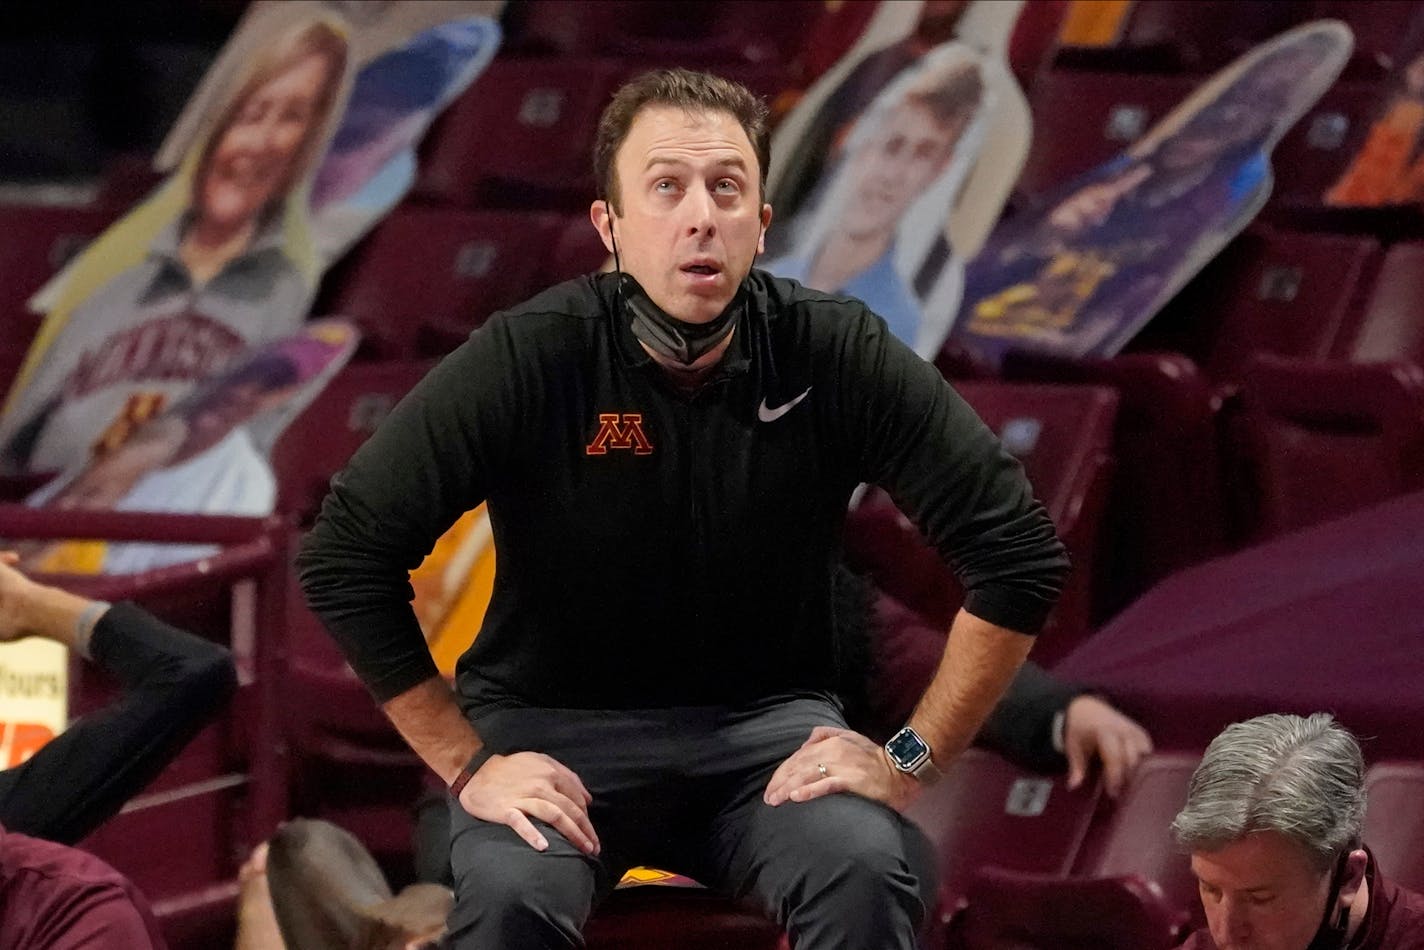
683 88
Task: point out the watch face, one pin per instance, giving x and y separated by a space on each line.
907 749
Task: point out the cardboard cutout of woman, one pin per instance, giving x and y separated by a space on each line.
218 259
1107 250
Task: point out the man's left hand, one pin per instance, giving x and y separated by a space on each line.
838 760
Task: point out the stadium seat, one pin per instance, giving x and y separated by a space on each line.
1323 439
39 240
426 277
1286 293
1381 28
1082 119
1203 35
318 443
1166 510
1063 437
182 839
1010 911
521 136
1313 155
1136 840
1394 821
1392 324
986 812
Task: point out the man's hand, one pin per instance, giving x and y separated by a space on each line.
852 763
1094 729
511 789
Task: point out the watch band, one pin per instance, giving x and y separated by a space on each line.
457 785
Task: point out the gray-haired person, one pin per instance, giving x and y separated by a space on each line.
1273 821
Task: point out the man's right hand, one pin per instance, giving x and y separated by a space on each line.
512 789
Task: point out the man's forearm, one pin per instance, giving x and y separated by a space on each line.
979 661
430 721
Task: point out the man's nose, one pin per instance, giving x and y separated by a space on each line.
1238 926
701 208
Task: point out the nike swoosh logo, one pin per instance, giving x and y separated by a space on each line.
767 414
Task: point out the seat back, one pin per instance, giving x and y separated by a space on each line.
1317 150
1394 821
520 136
426 277
1166 510
1392 324
1292 294
1027 912
1082 119
37 241
1318 440
986 812
318 443
1136 837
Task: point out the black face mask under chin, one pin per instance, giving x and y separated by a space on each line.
1333 925
668 336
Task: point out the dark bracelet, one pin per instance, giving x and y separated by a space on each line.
468 772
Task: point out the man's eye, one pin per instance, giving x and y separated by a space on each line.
728 187
666 186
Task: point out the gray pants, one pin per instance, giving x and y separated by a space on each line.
681 790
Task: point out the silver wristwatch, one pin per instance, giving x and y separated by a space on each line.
911 755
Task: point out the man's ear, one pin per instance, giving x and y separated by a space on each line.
765 223
601 216
1354 876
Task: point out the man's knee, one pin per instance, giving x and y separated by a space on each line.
863 868
509 895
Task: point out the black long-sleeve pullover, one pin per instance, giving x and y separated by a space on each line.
658 548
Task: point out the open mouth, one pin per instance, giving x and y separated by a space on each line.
703 270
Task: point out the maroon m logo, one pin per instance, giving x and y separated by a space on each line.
617 431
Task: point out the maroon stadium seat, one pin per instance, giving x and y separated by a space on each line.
521 136
1313 155
1381 30
661 917
1394 821
1136 840
318 442
1166 509
1285 293
986 812
1324 439
1203 35
182 839
1010 911
38 241
1082 119
426 277
1062 435
1392 324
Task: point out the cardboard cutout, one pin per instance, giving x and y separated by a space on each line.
226 253
1082 273
894 166
1389 168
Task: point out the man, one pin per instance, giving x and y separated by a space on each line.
53 896
667 455
1273 821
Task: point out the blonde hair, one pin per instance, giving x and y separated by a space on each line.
317 38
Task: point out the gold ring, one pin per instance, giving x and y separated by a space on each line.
821 768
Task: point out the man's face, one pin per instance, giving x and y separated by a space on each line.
691 220
909 150
254 157
1261 893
